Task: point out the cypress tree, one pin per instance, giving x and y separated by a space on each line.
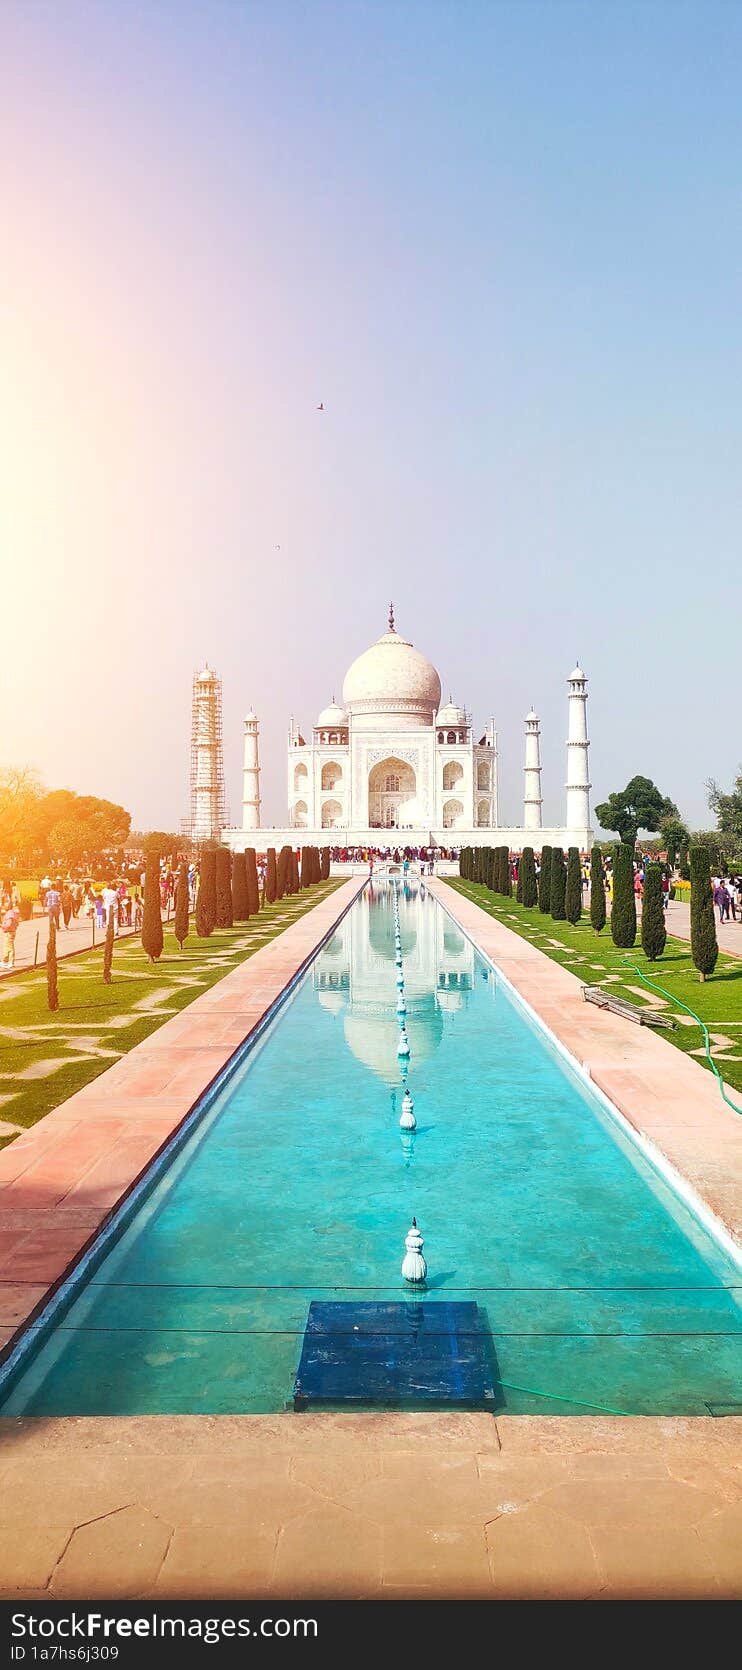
295 879
240 907
558 885
703 943
108 949
282 873
253 890
316 864
519 883
206 897
573 888
623 911
684 864
224 908
52 983
529 890
507 879
271 877
152 938
325 863
597 890
304 871
654 932
544 882
182 904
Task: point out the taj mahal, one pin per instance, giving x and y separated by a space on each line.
393 764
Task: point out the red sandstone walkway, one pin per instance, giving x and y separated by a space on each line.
669 1099
60 1181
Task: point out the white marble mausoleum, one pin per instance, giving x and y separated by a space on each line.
393 764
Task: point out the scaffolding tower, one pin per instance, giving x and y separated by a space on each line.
208 813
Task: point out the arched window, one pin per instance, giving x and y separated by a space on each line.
483 814
301 778
299 818
453 772
453 812
331 775
483 775
451 736
332 812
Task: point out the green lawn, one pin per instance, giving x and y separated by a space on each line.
96 1024
595 960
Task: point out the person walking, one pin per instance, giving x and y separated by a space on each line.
10 928
721 900
53 904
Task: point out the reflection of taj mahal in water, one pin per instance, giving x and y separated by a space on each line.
354 973
394 764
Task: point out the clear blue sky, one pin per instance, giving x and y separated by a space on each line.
502 242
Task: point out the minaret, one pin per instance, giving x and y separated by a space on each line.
578 778
532 801
251 775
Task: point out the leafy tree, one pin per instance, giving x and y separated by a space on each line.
271 877
527 870
52 983
573 888
253 890
152 937
623 909
675 836
640 805
20 795
544 881
182 904
597 890
206 896
728 810
654 933
558 885
108 949
703 943
224 907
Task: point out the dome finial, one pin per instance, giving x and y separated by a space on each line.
392 627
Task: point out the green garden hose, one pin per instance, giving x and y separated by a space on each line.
654 986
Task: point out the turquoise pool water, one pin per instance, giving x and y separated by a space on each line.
598 1285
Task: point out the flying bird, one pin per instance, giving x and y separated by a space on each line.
321 406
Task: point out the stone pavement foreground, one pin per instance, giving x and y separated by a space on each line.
396 1506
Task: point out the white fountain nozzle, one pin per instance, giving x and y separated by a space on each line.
403 1047
414 1267
407 1121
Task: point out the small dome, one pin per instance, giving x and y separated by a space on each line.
251 718
392 676
451 714
532 718
576 673
331 717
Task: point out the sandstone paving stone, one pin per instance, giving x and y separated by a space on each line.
720 1535
334 1475
541 1555
636 1563
326 1553
216 1563
643 1501
116 1557
422 1561
27 1564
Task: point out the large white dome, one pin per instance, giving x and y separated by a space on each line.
393 677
